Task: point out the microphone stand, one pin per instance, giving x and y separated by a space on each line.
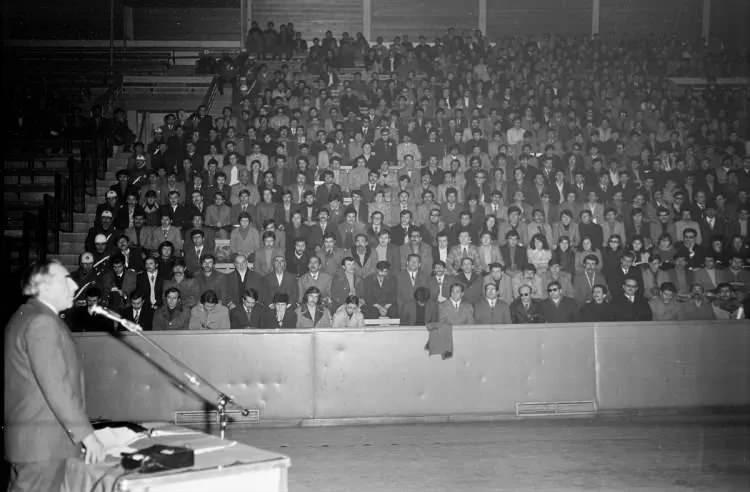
223 400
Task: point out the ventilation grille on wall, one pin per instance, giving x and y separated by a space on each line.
550 408
196 417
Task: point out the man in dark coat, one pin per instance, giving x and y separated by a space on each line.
597 309
525 309
45 420
379 293
490 310
558 308
631 305
250 313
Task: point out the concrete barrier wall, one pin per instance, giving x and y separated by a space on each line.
384 373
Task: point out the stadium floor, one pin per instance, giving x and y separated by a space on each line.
540 455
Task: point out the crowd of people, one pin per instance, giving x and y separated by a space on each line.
466 182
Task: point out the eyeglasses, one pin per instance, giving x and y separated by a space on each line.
553 289
525 295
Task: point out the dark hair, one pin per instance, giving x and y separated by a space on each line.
382 265
171 290
138 294
251 293
209 297
422 294
93 291
311 290
351 300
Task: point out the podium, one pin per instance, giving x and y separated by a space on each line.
227 466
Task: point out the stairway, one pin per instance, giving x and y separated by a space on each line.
221 101
72 244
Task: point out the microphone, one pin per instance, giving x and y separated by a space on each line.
107 313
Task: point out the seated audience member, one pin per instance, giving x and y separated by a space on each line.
681 275
690 249
584 282
525 309
140 233
151 282
710 276
502 282
85 273
597 308
528 276
82 318
555 274
345 282
316 278
420 310
737 275
439 282
490 309
281 314
267 252
665 307
244 239
166 232
726 305
132 256
279 280
106 228
379 293
617 276
698 307
471 280
195 251
208 278
514 254
298 258
348 315
456 311
188 286
241 279
209 314
653 276
140 311
558 308
117 284
629 304
249 313
464 249
409 280
173 314
311 313
538 253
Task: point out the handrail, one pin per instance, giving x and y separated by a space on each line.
49 228
210 97
62 203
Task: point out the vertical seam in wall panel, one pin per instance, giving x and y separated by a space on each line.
596 368
314 373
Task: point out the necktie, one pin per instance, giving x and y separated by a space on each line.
152 281
465 252
137 315
412 279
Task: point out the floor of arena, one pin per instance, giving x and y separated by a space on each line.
542 455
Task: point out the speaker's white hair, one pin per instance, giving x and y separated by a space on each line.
35 276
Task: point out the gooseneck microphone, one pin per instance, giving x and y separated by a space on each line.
107 313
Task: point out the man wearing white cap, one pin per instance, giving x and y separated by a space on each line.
106 228
111 203
85 272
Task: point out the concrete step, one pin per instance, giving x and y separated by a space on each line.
66 258
72 248
82 226
78 237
